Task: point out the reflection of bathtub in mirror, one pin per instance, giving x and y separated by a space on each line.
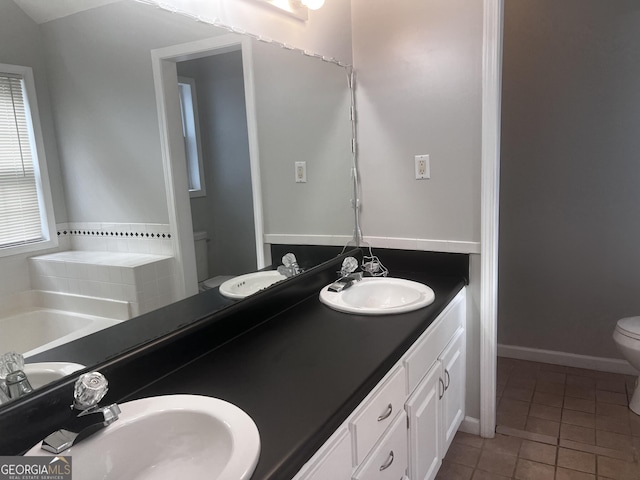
34 321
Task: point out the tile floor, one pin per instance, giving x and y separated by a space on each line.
554 423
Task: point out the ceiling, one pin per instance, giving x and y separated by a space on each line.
42 11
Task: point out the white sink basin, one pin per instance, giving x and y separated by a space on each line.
39 374
169 437
245 285
379 296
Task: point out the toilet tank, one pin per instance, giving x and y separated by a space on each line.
202 259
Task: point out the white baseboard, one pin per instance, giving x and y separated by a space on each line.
470 425
613 365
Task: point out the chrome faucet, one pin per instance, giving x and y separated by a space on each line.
348 275
289 266
88 391
13 381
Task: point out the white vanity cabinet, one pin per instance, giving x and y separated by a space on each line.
404 427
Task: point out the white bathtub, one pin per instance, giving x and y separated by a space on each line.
36 321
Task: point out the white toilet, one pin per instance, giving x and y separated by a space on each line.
200 239
627 338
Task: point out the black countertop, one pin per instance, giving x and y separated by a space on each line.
300 374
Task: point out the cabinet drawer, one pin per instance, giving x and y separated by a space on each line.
388 461
377 413
425 352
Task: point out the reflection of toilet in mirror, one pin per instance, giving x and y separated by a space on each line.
202 264
627 338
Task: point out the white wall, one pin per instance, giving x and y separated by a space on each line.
569 234
419 87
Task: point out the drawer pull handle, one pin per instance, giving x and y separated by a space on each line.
448 379
388 463
386 414
441 393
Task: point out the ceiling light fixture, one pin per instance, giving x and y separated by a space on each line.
313 4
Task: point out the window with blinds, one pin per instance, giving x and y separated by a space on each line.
22 216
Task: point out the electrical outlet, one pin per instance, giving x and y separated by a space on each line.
301 172
423 167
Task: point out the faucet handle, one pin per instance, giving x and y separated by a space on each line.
89 389
10 362
349 265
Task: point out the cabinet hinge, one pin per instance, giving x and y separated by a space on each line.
407 422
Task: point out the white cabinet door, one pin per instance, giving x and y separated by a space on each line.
453 361
425 437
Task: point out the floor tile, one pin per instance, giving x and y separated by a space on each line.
527 383
534 437
550 367
566 474
545 412
552 377
581 419
617 469
581 372
615 411
496 462
575 460
634 423
550 387
452 471
480 475
580 392
553 423
469 439
578 434
513 407
606 452
550 399
518 393
613 440
463 454
511 420
611 424
503 444
615 384
587 382
538 452
611 397
580 404
528 470
545 427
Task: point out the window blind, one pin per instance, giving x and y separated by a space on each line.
20 217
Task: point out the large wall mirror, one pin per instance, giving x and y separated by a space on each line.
98 97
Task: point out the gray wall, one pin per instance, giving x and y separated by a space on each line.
226 212
21 44
101 82
569 232
419 83
302 112
419 91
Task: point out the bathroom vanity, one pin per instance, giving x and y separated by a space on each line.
333 395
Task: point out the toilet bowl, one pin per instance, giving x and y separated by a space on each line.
627 338
200 239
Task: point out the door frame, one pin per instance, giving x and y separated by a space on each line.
165 79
